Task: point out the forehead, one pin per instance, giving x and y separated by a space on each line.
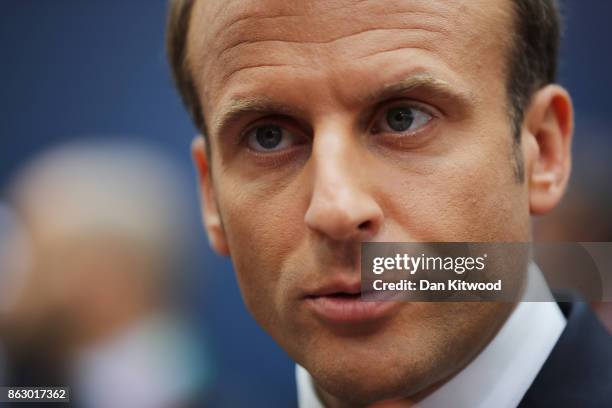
239 45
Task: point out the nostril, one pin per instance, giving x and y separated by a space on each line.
366 225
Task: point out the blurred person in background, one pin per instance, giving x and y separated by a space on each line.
106 232
14 258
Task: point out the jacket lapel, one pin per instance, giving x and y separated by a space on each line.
578 372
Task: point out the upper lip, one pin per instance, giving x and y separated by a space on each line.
337 286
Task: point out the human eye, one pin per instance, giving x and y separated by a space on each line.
401 119
270 138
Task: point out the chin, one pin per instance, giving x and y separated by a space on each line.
377 377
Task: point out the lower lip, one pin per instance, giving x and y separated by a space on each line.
338 309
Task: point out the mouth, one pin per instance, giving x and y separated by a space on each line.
344 304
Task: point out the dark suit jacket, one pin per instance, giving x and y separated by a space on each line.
578 372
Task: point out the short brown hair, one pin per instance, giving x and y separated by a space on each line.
532 59
177 28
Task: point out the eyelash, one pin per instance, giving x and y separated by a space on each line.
389 105
280 121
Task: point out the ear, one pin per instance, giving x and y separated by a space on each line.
547 137
210 212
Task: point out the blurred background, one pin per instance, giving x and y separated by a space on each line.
93 293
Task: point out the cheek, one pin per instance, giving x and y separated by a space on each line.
470 193
262 228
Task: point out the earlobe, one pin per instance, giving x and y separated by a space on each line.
549 127
210 213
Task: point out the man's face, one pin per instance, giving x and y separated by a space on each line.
336 122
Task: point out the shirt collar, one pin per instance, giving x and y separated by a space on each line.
503 372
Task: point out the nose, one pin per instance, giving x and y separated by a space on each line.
341 206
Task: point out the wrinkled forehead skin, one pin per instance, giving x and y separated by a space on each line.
238 47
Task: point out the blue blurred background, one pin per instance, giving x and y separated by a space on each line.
74 69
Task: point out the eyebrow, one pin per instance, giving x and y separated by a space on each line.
426 83
238 107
